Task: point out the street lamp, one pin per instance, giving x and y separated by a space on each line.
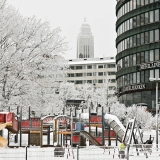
157 107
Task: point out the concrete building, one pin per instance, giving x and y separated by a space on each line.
92 70
85 42
138 55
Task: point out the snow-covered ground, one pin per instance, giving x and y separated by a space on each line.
85 153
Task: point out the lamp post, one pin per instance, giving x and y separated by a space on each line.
157 107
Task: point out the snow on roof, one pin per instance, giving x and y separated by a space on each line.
91 60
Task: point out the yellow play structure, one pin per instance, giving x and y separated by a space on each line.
3 141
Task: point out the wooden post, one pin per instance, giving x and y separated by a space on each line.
55 130
41 133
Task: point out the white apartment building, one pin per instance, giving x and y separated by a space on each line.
92 70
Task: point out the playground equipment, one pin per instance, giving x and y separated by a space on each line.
3 141
9 121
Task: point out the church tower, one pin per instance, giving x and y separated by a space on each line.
85 42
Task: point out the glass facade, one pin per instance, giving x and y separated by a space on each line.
138 50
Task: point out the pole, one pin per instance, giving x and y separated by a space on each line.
71 128
20 127
109 132
103 141
157 114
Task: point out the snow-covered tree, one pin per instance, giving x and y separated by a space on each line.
105 95
27 58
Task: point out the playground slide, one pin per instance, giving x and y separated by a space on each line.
116 125
90 137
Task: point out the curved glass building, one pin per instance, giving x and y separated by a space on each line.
138 51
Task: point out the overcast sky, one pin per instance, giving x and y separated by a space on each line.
69 16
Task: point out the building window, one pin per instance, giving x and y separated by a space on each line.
89 81
100 81
111 65
72 67
113 80
100 66
79 74
78 82
100 73
71 75
156 54
78 67
111 73
89 74
89 67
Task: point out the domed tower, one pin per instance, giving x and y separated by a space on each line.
85 42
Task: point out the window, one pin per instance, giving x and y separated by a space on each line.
89 74
100 66
89 67
157 35
156 54
142 38
130 60
134 22
151 36
89 81
146 56
151 55
79 74
72 67
146 2
138 77
138 40
131 78
142 57
142 76
138 20
134 78
142 19
151 17
157 15
142 2
146 18
134 59
111 73
130 42
100 81
146 75
113 80
111 65
138 3
71 75
100 73
156 73
78 82
146 37
78 67
131 23
151 73
138 58
134 40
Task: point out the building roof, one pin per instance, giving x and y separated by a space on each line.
91 60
